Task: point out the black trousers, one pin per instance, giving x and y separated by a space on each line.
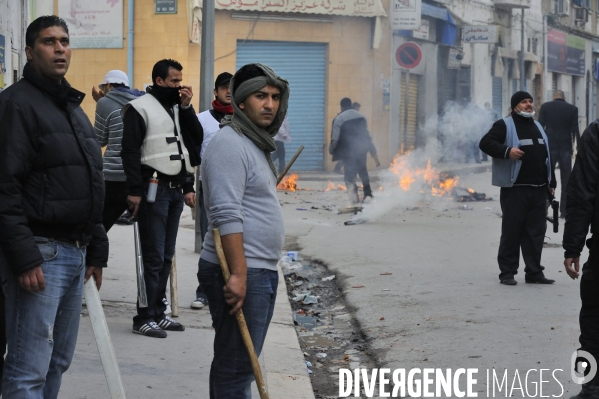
203 230
564 157
356 165
279 154
522 228
115 202
589 312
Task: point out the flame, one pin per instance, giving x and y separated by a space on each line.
289 183
331 186
407 176
471 191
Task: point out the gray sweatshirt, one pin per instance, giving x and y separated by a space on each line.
240 195
109 130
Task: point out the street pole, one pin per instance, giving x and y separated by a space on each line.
522 74
206 87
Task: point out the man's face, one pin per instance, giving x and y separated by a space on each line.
525 105
223 94
262 106
173 79
50 55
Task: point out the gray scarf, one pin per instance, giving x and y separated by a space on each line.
261 137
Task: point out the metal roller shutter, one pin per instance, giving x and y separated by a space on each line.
498 96
304 66
409 139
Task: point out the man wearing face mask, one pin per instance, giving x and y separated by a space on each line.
522 168
162 138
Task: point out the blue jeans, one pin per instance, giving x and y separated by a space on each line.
43 326
231 370
158 226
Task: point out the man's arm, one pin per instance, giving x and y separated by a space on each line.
574 127
492 143
16 156
335 133
582 193
97 254
134 133
101 124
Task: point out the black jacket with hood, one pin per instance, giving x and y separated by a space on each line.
51 182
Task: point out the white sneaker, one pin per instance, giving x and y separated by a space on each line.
168 306
199 303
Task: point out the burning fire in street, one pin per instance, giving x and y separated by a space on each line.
289 183
427 178
331 186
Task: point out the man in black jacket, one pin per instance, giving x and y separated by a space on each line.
560 121
161 138
522 170
51 199
583 211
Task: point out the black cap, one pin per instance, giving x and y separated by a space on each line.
518 97
222 79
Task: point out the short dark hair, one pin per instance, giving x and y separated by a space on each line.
345 102
41 23
161 68
245 73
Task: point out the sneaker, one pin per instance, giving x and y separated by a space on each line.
199 303
149 329
540 280
168 306
166 323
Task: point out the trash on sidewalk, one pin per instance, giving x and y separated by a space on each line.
301 209
349 209
329 278
355 221
357 286
467 194
321 355
386 274
293 255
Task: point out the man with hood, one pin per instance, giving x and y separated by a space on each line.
109 131
161 141
522 168
240 193
210 121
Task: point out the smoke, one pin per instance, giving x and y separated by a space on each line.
417 176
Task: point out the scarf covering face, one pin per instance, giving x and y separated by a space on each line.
168 95
261 137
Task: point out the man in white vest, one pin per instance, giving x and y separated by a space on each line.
210 121
161 140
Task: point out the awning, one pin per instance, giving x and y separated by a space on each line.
445 23
515 54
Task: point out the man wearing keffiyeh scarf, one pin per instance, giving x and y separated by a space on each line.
239 181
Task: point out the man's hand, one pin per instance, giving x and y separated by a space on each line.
235 292
186 95
516 153
96 272
97 94
553 191
572 267
133 203
32 280
190 199
377 163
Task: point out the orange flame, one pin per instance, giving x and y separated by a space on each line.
331 186
289 183
428 176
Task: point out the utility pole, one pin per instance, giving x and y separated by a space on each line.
206 87
522 71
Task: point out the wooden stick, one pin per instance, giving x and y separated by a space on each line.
290 164
174 290
245 334
103 340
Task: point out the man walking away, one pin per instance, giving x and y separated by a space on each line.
109 131
351 142
240 181
51 199
582 211
522 168
161 138
210 121
560 121
282 137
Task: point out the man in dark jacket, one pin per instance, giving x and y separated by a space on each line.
109 131
560 121
51 198
351 142
522 169
582 211
161 138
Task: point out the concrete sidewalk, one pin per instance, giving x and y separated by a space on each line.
179 365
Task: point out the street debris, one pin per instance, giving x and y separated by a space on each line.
355 221
386 274
349 209
357 286
328 278
467 194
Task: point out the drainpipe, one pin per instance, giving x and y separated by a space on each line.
130 15
522 76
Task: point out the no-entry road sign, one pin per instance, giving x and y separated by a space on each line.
408 55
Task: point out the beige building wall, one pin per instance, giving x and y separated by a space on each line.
354 68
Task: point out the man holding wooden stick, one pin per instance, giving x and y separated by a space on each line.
240 195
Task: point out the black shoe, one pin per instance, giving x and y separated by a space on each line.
149 329
588 392
166 323
509 281
539 280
